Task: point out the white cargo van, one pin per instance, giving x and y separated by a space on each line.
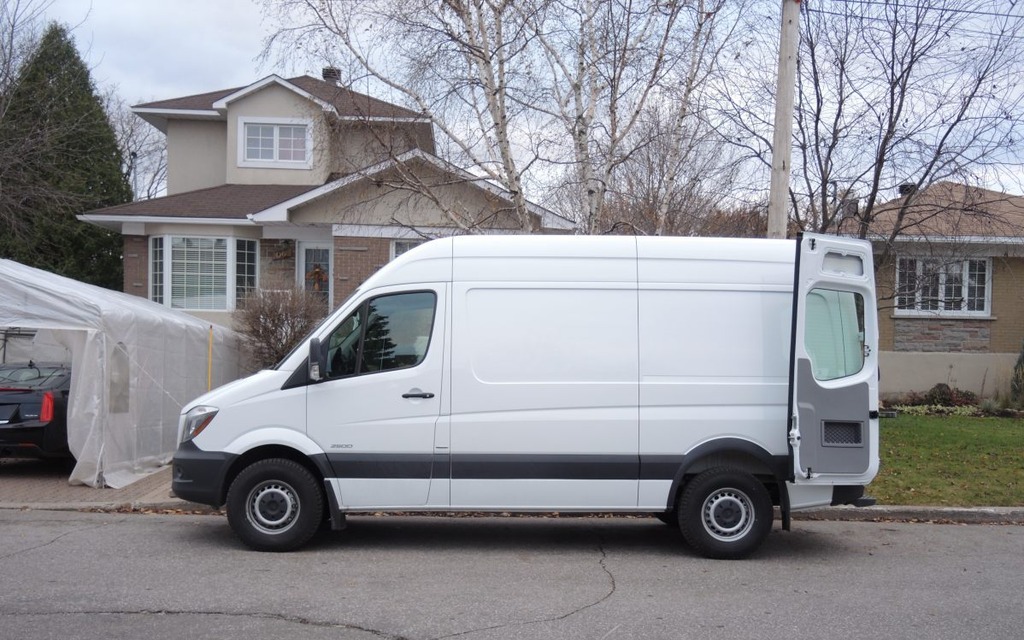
704 380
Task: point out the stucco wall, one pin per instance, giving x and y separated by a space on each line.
379 202
983 373
196 155
277 102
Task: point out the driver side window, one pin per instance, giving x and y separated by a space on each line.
385 333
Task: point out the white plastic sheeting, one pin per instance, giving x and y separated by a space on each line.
134 364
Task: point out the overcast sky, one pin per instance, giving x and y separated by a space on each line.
158 49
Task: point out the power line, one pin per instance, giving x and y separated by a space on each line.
920 7
958 29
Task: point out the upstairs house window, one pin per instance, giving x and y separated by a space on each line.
201 273
398 247
933 286
281 143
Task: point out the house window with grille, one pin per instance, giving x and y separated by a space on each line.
398 247
156 270
245 268
932 286
281 143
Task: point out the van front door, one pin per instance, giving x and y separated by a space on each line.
833 407
376 409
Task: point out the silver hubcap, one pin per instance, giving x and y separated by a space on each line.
728 514
272 506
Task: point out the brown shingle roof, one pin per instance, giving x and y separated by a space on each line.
949 210
346 102
226 201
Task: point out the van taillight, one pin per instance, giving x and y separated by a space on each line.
47 413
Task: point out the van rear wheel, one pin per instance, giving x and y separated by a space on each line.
725 513
275 505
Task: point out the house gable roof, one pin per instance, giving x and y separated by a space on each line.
279 213
948 211
213 105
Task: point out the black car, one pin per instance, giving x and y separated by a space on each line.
34 409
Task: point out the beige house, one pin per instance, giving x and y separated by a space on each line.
951 288
294 182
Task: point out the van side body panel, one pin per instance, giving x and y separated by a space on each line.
544 375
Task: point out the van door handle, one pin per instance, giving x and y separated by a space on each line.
417 394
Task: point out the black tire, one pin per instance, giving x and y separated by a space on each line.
725 513
275 505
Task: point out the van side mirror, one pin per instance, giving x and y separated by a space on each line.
317 361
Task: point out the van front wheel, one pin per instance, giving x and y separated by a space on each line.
275 505
725 513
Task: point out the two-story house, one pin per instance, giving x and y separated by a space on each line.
294 182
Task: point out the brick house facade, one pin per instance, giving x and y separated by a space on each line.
951 289
294 182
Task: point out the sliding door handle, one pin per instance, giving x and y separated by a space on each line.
417 394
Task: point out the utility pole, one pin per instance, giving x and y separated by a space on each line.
782 140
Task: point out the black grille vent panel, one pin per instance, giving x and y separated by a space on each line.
842 434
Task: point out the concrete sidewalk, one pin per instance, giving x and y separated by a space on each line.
40 484
43 484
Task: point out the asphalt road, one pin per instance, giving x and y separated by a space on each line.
97 575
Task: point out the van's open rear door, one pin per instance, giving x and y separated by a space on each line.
833 404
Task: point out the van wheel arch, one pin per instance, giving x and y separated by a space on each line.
734 453
317 467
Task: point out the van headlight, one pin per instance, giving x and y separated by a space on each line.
197 419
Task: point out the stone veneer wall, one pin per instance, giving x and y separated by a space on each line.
931 335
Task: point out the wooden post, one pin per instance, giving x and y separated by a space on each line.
782 140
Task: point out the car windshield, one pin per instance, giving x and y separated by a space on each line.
31 376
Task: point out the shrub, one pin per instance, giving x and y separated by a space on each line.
1017 381
272 322
944 395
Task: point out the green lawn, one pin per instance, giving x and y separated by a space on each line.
951 461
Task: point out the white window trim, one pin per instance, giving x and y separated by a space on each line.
945 313
231 272
394 243
300 267
274 164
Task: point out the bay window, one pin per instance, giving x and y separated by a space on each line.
195 273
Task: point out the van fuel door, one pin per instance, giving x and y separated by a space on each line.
833 379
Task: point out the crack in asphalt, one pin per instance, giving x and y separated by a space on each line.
611 591
182 612
52 540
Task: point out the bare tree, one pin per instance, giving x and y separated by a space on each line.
537 95
143 148
890 93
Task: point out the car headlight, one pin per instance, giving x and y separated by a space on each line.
197 419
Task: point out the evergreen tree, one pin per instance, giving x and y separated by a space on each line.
61 159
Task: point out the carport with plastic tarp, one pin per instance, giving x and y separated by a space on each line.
134 364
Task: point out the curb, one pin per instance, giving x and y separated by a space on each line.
160 501
937 515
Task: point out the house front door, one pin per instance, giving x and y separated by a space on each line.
314 270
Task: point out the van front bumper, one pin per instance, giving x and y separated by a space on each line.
198 476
